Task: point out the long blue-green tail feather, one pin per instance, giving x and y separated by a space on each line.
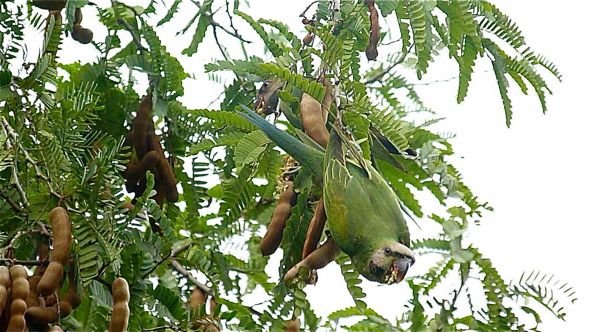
305 154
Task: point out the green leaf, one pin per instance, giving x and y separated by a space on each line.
202 26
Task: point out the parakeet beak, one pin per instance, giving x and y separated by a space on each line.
400 268
259 103
267 98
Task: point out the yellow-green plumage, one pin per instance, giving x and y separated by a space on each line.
364 214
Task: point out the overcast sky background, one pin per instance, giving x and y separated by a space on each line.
534 174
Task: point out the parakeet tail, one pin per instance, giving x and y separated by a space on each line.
303 153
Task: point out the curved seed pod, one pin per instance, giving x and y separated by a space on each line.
42 256
33 298
308 38
198 297
167 179
50 300
79 33
135 172
292 325
17 322
78 16
371 51
20 284
50 4
328 99
62 239
62 235
120 316
212 306
4 286
51 314
39 315
128 206
319 258
274 233
50 280
141 125
164 172
312 119
82 35
314 230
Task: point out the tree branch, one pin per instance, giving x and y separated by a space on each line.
180 269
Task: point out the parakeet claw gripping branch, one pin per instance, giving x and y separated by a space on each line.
363 212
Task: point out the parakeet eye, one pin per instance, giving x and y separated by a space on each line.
387 251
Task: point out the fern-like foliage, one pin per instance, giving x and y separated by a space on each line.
64 131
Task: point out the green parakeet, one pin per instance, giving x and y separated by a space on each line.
364 214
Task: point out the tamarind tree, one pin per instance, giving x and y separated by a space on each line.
169 204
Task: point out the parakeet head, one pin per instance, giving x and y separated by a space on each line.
387 263
267 98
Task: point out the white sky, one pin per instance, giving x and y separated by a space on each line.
534 174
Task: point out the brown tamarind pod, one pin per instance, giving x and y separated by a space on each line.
128 206
51 314
315 229
42 315
50 280
328 99
292 325
62 235
319 258
50 300
82 35
4 286
72 297
371 51
59 256
141 125
120 316
17 322
164 173
198 297
50 4
43 257
274 233
79 33
168 180
20 284
308 38
312 119
33 298
78 16
212 306
135 172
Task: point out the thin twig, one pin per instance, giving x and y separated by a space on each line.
129 29
387 70
180 269
306 9
231 21
392 42
18 186
12 204
221 48
22 262
172 254
14 137
215 24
